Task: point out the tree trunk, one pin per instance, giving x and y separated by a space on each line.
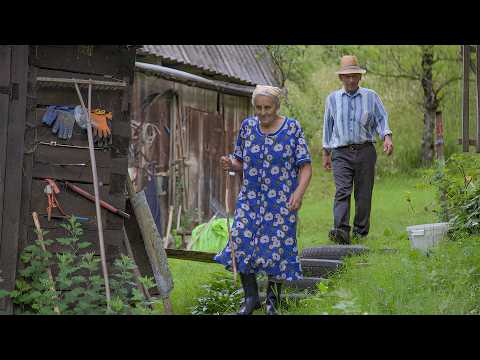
430 106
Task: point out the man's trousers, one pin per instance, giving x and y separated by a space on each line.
353 169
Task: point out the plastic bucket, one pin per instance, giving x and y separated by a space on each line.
425 236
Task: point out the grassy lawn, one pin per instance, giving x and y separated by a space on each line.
391 213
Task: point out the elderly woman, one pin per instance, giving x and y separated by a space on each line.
273 155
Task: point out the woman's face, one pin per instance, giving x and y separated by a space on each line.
265 109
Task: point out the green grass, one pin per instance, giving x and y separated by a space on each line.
389 281
405 282
391 212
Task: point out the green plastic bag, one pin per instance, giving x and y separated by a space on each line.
212 238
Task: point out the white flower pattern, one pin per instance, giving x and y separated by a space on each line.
264 230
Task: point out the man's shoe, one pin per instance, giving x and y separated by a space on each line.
339 236
250 289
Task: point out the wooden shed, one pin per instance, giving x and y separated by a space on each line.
188 104
32 78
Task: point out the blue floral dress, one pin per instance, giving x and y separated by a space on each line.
263 229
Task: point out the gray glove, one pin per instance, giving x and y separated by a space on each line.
64 124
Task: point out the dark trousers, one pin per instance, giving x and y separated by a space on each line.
353 169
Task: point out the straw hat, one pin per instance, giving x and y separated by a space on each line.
349 65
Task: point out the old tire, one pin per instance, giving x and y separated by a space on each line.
333 252
320 268
307 283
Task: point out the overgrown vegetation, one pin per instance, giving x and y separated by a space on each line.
220 296
458 185
77 286
405 281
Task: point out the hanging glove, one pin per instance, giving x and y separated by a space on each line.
100 125
105 141
50 115
64 124
81 117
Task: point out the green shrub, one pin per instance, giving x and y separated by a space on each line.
220 296
78 287
458 194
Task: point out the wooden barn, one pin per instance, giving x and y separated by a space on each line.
187 107
31 79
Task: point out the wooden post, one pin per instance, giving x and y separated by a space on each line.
477 144
439 137
465 109
153 244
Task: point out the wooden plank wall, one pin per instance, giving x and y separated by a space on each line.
211 121
12 184
25 194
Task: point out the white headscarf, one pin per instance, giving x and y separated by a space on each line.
267 90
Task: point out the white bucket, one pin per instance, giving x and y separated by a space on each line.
425 236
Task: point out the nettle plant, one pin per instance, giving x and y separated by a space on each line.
220 296
78 285
458 186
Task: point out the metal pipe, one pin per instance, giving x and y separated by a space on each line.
201 81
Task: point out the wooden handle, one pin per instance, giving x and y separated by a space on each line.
169 227
42 245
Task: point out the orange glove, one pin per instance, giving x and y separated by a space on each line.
99 122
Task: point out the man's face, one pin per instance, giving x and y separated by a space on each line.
350 81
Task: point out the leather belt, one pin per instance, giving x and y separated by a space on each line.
353 147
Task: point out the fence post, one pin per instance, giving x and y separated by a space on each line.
439 143
465 109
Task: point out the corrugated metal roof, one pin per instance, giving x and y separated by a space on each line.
246 63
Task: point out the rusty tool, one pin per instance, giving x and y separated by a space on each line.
54 143
227 209
50 190
103 204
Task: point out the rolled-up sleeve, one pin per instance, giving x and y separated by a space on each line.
327 125
381 117
302 154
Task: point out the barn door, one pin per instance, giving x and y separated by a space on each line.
205 146
13 89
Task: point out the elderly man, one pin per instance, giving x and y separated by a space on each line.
353 115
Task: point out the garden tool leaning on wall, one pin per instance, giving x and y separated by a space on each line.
230 240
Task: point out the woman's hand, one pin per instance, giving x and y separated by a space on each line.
227 163
295 201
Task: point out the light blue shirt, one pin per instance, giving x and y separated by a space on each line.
353 118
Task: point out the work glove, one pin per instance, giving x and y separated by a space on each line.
81 117
64 124
50 115
101 126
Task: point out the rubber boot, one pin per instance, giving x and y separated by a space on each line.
250 288
273 297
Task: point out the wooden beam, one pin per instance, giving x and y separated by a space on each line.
465 109
471 142
478 98
191 255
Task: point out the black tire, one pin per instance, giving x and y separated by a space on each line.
307 283
321 268
333 252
